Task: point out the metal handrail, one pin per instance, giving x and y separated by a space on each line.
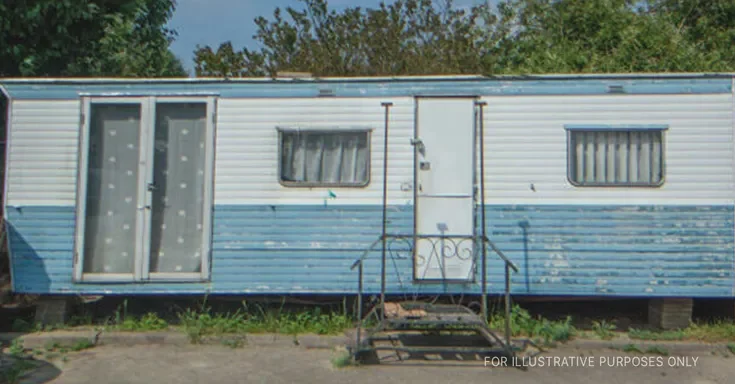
365 254
509 265
500 253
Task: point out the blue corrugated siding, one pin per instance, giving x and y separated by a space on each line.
619 250
382 88
561 250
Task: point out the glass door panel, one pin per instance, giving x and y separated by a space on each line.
178 188
110 206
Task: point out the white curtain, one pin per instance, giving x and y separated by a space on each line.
617 157
112 189
325 157
178 197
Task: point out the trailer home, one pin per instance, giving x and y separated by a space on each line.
601 185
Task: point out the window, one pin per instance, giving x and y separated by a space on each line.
324 158
611 156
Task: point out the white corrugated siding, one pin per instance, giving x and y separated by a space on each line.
526 144
246 169
42 155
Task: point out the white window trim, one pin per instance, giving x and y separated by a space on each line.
323 130
572 128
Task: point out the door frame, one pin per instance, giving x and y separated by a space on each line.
141 270
416 130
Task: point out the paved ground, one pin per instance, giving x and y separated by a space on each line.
251 364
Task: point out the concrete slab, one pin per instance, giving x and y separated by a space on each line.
142 338
60 338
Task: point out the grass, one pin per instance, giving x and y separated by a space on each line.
652 350
717 331
342 360
16 348
603 329
631 348
198 324
657 350
544 330
81 345
235 343
23 360
17 369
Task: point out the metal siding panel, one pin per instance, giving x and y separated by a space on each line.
246 164
565 250
42 158
698 142
617 250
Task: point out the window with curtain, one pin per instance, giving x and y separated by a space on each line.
616 157
325 158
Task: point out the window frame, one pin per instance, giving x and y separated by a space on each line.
585 128
325 130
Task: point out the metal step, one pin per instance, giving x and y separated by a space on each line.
443 349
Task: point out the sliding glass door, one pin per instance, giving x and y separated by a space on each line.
145 189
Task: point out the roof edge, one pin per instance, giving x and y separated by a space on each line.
194 80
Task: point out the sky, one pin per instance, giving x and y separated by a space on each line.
212 22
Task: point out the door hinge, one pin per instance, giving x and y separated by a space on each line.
214 118
81 119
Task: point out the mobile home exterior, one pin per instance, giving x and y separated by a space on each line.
604 185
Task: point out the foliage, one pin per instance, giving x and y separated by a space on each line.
17 368
518 36
342 359
198 324
16 348
523 324
87 38
716 331
657 350
603 329
149 322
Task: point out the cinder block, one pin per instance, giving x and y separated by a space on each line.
670 313
52 310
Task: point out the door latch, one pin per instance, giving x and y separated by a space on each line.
425 165
152 187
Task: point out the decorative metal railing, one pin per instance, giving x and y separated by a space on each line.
442 248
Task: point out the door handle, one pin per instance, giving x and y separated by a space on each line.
144 207
152 187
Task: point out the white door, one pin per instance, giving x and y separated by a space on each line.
444 220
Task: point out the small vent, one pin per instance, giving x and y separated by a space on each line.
326 92
615 89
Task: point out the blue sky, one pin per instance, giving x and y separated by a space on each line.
211 22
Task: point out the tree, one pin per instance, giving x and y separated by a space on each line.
87 38
594 36
405 37
519 36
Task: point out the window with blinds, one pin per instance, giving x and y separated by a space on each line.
616 157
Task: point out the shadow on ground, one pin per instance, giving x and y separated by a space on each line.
26 370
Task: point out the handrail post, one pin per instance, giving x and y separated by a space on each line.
358 342
481 106
383 261
507 304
